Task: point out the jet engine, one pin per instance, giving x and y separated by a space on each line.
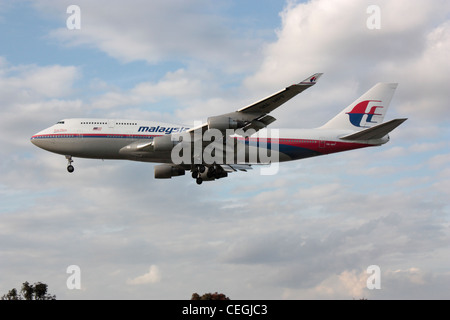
167 171
163 143
224 123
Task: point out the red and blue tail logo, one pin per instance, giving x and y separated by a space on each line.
359 111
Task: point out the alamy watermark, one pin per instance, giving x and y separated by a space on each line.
74 280
373 22
73 22
374 280
230 146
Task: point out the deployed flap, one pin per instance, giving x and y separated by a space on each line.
376 132
236 167
259 123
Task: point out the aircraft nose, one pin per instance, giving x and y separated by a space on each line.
35 139
38 139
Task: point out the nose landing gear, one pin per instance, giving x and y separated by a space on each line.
70 167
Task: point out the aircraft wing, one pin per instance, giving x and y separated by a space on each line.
272 102
256 116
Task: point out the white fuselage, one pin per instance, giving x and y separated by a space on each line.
99 138
104 138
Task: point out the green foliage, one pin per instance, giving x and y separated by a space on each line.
37 291
209 296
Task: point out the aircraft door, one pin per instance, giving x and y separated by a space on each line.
322 142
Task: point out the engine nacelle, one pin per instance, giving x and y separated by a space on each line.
167 171
224 123
163 143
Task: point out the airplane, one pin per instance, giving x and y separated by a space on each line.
243 132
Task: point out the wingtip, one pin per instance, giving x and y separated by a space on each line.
312 79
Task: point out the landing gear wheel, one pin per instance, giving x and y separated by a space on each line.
212 171
201 168
199 180
195 174
70 167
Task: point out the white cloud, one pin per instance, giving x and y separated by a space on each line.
349 284
174 85
414 275
19 84
33 95
331 37
439 161
158 31
308 232
152 276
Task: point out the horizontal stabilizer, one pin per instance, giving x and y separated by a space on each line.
376 132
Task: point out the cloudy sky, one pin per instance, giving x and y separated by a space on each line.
308 232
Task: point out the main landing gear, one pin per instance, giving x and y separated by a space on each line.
197 173
207 173
70 167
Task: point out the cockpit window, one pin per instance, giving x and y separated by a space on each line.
60 122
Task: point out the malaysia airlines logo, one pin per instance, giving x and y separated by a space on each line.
359 111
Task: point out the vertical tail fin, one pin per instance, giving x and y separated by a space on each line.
366 111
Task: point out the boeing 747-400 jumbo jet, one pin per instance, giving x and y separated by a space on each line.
226 143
